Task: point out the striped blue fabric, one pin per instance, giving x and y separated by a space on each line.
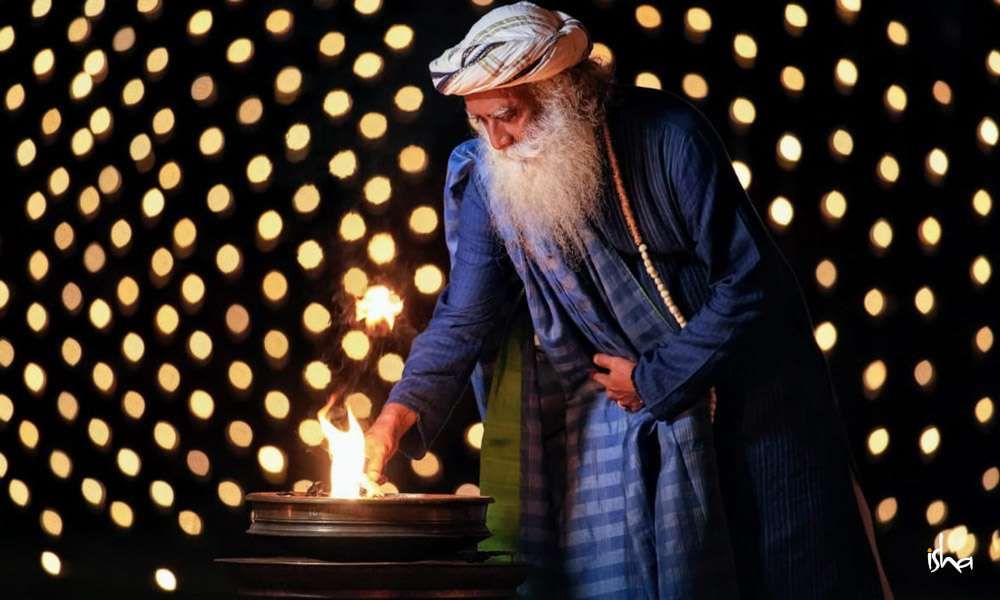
657 503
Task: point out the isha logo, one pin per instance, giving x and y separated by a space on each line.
936 559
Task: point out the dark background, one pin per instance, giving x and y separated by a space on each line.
948 41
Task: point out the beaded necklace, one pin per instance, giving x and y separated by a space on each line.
647 262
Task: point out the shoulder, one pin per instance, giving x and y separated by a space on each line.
463 165
661 114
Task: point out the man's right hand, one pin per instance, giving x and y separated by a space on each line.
382 438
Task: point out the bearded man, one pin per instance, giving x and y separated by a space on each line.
659 422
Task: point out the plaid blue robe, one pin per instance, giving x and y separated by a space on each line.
657 503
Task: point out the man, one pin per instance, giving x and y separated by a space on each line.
623 484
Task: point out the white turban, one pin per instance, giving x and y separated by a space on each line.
508 46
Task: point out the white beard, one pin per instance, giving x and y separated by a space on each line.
544 187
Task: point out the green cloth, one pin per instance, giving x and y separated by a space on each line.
500 456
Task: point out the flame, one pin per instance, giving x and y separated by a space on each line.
347 456
379 304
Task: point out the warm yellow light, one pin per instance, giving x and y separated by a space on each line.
44 63
271 459
378 190
987 132
259 169
846 74
51 563
984 410
936 512
200 23
826 335
337 103
602 54
367 7
382 248
279 22
930 440
886 510
373 125
211 141
240 51
332 44
923 373
648 16
189 522
694 86
161 493
93 491
166 580
390 367
888 169
781 212
51 522
789 148
745 48
309 254
230 493
156 61
895 98
165 436
379 304
399 37
936 163
121 514
133 92
880 234
428 279
409 98
355 282
796 18
368 65
929 231
875 375
413 159
874 302
981 270
742 111
984 339
878 441
427 467
15 98
343 164
842 143
697 20
7 37
277 404
897 33
356 345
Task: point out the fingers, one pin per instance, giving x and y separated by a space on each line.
602 378
376 455
603 360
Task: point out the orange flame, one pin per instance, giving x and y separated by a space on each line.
347 456
379 304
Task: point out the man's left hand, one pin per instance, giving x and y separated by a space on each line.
617 382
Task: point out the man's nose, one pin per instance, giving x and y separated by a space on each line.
500 139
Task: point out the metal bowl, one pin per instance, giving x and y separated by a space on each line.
391 527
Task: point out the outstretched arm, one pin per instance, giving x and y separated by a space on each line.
481 283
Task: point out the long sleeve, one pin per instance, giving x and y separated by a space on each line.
482 281
730 239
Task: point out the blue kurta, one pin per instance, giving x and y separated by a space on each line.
657 503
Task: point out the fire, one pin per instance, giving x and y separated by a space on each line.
347 456
379 304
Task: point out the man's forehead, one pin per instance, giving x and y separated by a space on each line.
491 101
